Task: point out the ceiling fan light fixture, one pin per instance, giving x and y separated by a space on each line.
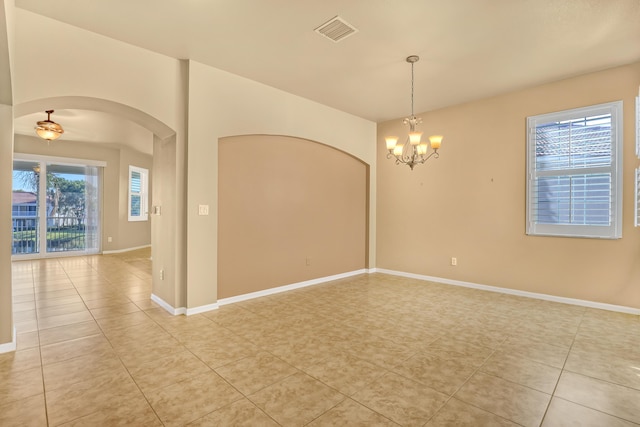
48 129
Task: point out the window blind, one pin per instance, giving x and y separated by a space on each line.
573 174
138 197
136 185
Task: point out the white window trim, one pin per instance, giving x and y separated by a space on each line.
638 126
637 197
637 193
59 160
613 231
144 194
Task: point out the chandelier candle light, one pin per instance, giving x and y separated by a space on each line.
413 151
48 129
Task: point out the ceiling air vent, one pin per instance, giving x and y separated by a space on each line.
336 29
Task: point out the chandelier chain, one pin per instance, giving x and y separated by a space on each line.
412 90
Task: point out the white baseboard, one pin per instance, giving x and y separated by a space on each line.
118 251
546 297
10 346
285 288
162 303
182 310
202 309
290 287
252 295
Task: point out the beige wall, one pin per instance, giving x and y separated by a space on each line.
164 224
470 203
92 66
132 234
283 201
114 187
221 105
6 168
200 104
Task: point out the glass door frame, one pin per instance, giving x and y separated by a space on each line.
42 201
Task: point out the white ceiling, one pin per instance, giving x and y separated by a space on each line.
469 49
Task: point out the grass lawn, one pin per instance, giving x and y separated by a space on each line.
58 239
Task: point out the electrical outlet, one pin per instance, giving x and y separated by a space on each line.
109 239
308 261
161 274
454 261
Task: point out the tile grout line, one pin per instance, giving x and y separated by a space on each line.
125 366
44 387
111 344
478 369
216 372
564 364
299 370
66 273
584 375
89 311
451 396
167 327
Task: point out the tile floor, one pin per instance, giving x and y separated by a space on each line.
370 350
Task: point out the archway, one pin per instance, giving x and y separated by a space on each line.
165 217
145 120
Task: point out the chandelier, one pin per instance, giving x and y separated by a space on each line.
48 129
413 151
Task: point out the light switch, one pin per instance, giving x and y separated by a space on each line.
203 209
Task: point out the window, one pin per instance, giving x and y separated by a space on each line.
138 194
574 172
56 206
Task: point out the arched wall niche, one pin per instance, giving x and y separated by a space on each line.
289 210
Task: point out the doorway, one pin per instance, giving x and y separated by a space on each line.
55 207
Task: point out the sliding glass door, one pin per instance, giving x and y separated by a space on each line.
55 208
25 207
71 208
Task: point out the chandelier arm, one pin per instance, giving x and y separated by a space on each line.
413 159
402 159
433 154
